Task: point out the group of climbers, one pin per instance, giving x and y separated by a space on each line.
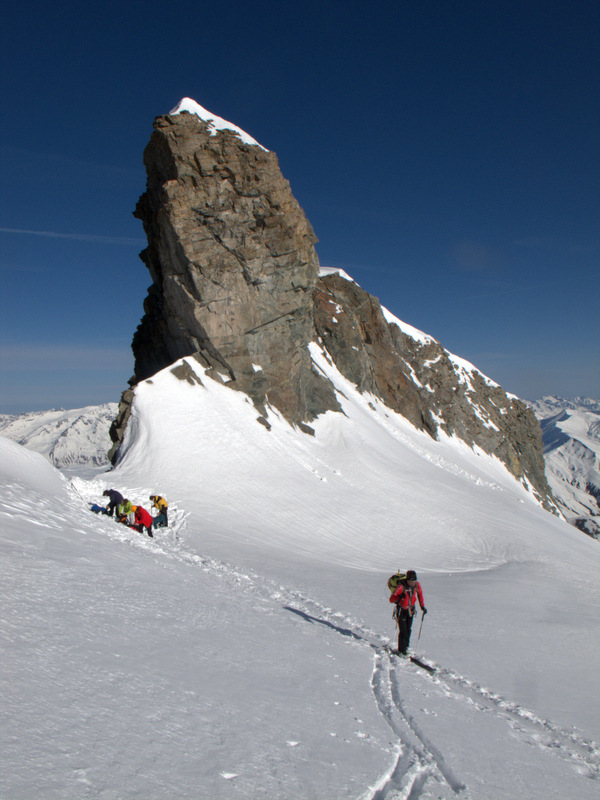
404 588
405 591
136 516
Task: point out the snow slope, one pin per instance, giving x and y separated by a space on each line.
571 433
243 652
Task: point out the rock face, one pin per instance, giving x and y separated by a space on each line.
233 264
352 328
236 284
415 376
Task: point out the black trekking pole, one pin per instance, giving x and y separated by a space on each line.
420 627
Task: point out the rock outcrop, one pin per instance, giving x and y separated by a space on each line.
414 375
352 328
233 264
236 284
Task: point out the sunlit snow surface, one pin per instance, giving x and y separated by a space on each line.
242 653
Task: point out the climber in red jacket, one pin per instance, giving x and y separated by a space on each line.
405 597
142 519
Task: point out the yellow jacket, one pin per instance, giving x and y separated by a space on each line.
159 502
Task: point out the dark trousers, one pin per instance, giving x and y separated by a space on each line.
405 619
111 509
143 529
161 520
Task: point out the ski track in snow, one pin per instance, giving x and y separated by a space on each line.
418 769
417 761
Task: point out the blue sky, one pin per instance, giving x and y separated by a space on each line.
446 154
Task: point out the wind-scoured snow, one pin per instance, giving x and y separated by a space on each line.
215 123
409 330
336 271
244 651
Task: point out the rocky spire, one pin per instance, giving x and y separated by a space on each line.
233 264
235 283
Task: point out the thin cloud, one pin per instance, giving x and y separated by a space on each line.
51 162
517 288
76 237
474 257
63 357
556 244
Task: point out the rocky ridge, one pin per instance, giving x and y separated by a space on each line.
237 284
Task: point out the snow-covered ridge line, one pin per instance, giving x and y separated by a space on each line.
463 367
214 122
324 271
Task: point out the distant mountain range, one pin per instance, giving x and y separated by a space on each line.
571 434
78 437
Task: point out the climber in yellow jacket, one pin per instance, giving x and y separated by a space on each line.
161 520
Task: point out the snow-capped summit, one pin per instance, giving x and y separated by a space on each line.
214 122
571 435
66 438
246 650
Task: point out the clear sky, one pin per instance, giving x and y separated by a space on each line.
446 154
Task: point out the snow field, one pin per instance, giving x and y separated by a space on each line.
244 652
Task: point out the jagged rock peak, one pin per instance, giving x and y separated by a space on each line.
214 122
232 259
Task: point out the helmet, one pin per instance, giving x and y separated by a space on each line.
411 575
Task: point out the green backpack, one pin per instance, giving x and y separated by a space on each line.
395 580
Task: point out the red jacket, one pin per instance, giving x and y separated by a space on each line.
407 597
142 517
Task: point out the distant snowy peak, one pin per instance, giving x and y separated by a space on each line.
215 123
66 438
571 435
552 404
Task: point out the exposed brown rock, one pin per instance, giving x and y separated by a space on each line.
478 411
351 326
422 381
233 264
